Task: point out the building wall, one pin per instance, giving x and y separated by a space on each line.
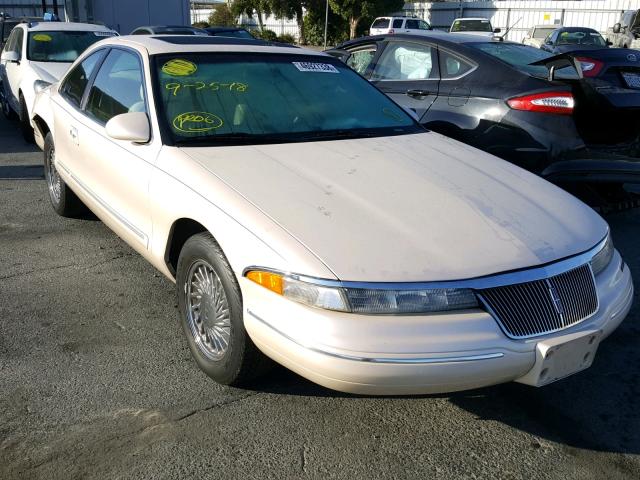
520 15
29 8
125 15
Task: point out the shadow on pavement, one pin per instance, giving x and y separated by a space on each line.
21 172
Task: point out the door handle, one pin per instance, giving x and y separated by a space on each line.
418 93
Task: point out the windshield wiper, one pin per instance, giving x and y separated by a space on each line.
234 138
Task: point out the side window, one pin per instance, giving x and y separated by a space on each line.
17 45
405 61
75 83
412 24
397 23
452 66
8 47
422 25
118 87
361 59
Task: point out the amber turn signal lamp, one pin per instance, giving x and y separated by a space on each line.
269 280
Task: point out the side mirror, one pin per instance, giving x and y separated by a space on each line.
496 30
548 42
616 28
132 127
609 43
10 57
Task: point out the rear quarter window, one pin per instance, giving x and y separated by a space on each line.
380 23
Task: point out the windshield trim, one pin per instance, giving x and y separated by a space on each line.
168 138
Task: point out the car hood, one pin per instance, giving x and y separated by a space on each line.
50 71
418 207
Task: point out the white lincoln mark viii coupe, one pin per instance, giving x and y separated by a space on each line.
306 217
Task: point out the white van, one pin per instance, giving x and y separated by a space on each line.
390 25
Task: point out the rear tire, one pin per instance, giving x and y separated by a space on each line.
211 314
25 123
63 200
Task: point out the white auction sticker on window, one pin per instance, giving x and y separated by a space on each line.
315 67
104 34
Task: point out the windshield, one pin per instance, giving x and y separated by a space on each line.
253 98
471 26
542 32
521 56
380 23
59 46
582 37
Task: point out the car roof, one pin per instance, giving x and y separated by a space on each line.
443 37
472 18
224 29
577 29
65 26
399 16
155 45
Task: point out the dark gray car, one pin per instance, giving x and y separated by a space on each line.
571 39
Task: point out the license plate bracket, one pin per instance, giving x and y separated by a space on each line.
559 357
632 79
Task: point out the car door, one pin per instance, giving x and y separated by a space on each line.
408 72
463 109
115 174
13 70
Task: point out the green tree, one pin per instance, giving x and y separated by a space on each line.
291 9
251 7
355 10
222 16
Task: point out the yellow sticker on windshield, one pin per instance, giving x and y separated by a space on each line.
179 67
42 37
195 122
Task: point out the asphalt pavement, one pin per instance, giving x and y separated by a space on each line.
96 381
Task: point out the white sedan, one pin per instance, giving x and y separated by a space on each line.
306 217
36 55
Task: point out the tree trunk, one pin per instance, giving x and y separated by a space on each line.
353 25
300 19
260 23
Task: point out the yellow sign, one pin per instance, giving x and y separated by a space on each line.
42 37
547 17
179 68
196 122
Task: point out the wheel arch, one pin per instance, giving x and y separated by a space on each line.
181 230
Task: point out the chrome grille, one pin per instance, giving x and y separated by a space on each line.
543 306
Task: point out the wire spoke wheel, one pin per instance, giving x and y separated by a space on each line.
54 182
208 312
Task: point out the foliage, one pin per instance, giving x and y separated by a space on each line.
222 16
201 24
337 27
266 34
354 11
286 38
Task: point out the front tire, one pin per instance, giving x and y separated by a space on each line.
63 200
25 123
211 314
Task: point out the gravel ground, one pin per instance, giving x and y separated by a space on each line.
96 381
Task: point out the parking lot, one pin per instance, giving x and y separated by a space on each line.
96 381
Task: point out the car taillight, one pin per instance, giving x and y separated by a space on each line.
590 67
561 103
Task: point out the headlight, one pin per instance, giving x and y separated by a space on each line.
601 259
368 301
40 85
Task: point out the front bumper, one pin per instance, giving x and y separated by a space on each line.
419 354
